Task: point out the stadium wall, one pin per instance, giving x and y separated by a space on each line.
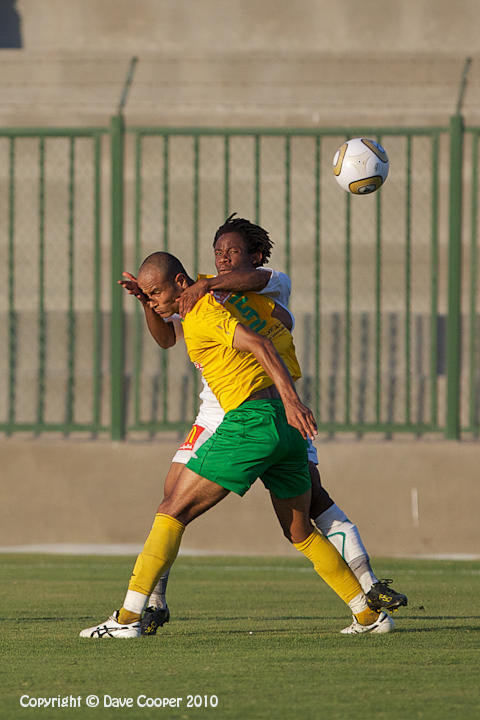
407 497
238 62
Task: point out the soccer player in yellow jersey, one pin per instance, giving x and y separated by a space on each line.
262 435
241 250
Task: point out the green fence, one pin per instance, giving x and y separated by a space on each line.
384 286
50 199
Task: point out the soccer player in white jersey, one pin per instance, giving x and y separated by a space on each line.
241 249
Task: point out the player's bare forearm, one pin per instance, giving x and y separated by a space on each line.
234 281
162 331
240 280
298 414
249 281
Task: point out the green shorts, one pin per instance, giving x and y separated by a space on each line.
255 440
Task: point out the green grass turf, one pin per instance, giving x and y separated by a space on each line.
259 633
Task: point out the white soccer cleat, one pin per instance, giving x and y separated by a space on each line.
111 628
383 624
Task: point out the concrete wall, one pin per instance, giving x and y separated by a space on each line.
234 62
383 26
99 492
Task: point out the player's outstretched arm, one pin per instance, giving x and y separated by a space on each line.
234 281
298 414
162 332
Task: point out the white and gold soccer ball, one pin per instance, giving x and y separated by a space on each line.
360 166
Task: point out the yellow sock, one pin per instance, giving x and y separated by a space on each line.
330 565
125 617
367 616
158 554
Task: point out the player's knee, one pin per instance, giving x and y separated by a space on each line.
169 507
177 507
299 531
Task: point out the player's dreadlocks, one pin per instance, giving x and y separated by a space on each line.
255 237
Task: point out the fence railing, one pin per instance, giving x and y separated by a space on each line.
51 235
379 282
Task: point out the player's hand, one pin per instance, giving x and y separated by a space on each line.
191 295
131 286
301 417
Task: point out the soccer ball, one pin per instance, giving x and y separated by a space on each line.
360 166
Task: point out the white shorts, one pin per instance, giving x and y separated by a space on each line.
198 435
195 438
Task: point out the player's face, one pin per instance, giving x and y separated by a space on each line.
231 254
163 295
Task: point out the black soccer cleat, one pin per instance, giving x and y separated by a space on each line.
380 596
152 619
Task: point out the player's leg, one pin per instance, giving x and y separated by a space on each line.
344 535
341 532
191 496
171 478
292 514
157 612
221 460
289 482
158 599
335 525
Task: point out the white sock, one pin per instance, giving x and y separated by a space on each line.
358 604
362 570
135 602
344 535
157 598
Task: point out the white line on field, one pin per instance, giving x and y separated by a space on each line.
415 512
86 549
133 549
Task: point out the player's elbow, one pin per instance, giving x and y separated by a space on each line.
262 345
170 342
164 336
265 352
165 342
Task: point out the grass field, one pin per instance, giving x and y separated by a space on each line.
261 634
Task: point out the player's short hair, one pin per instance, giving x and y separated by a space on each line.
256 238
166 263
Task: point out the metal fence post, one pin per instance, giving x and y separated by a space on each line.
453 329
117 321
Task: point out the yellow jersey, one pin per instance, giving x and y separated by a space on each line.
209 330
